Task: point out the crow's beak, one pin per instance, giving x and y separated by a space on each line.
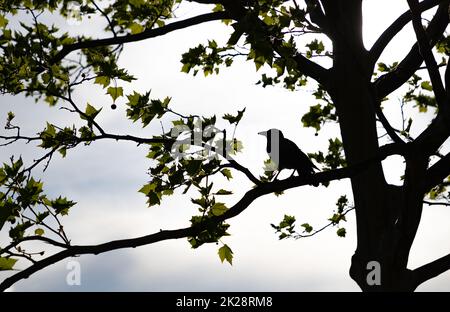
264 133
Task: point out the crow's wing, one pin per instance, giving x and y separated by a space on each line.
293 157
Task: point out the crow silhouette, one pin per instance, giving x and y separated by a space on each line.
286 154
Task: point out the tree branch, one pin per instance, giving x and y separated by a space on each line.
235 165
427 54
146 34
387 126
389 82
431 203
332 223
309 68
437 173
96 249
390 32
431 270
34 238
239 207
318 16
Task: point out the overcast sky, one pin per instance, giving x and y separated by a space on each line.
104 178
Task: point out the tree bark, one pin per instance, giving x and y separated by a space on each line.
387 216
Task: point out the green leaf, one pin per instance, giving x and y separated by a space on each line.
308 228
193 166
287 222
224 192
50 130
341 232
115 92
136 28
200 201
146 189
46 78
225 253
3 21
337 217
341 203
218 209
5 212
39 232
102 80
177 177
62 205
153 199
186 68
91 111
218 8
10 117
7 263
63 151
3 176
382 67
137 3
227 173
426 85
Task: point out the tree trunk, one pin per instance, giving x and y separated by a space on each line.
387 216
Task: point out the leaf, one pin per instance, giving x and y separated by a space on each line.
137 3
193 166
341 232
200 201
224 192
227 173
63 151
382 67
90 112
39 232
153 199
308 228
10 117
341 203
168 192
3 21
218 209
186 68
426 85
337 217
50 130
288 221
102 80
177 177
115 92
7 263
146 189
218 8
234 119
136 28
62 205
46 78
3 176
5 213
225 253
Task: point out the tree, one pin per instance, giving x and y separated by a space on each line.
189 156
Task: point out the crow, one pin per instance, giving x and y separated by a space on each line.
286 154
